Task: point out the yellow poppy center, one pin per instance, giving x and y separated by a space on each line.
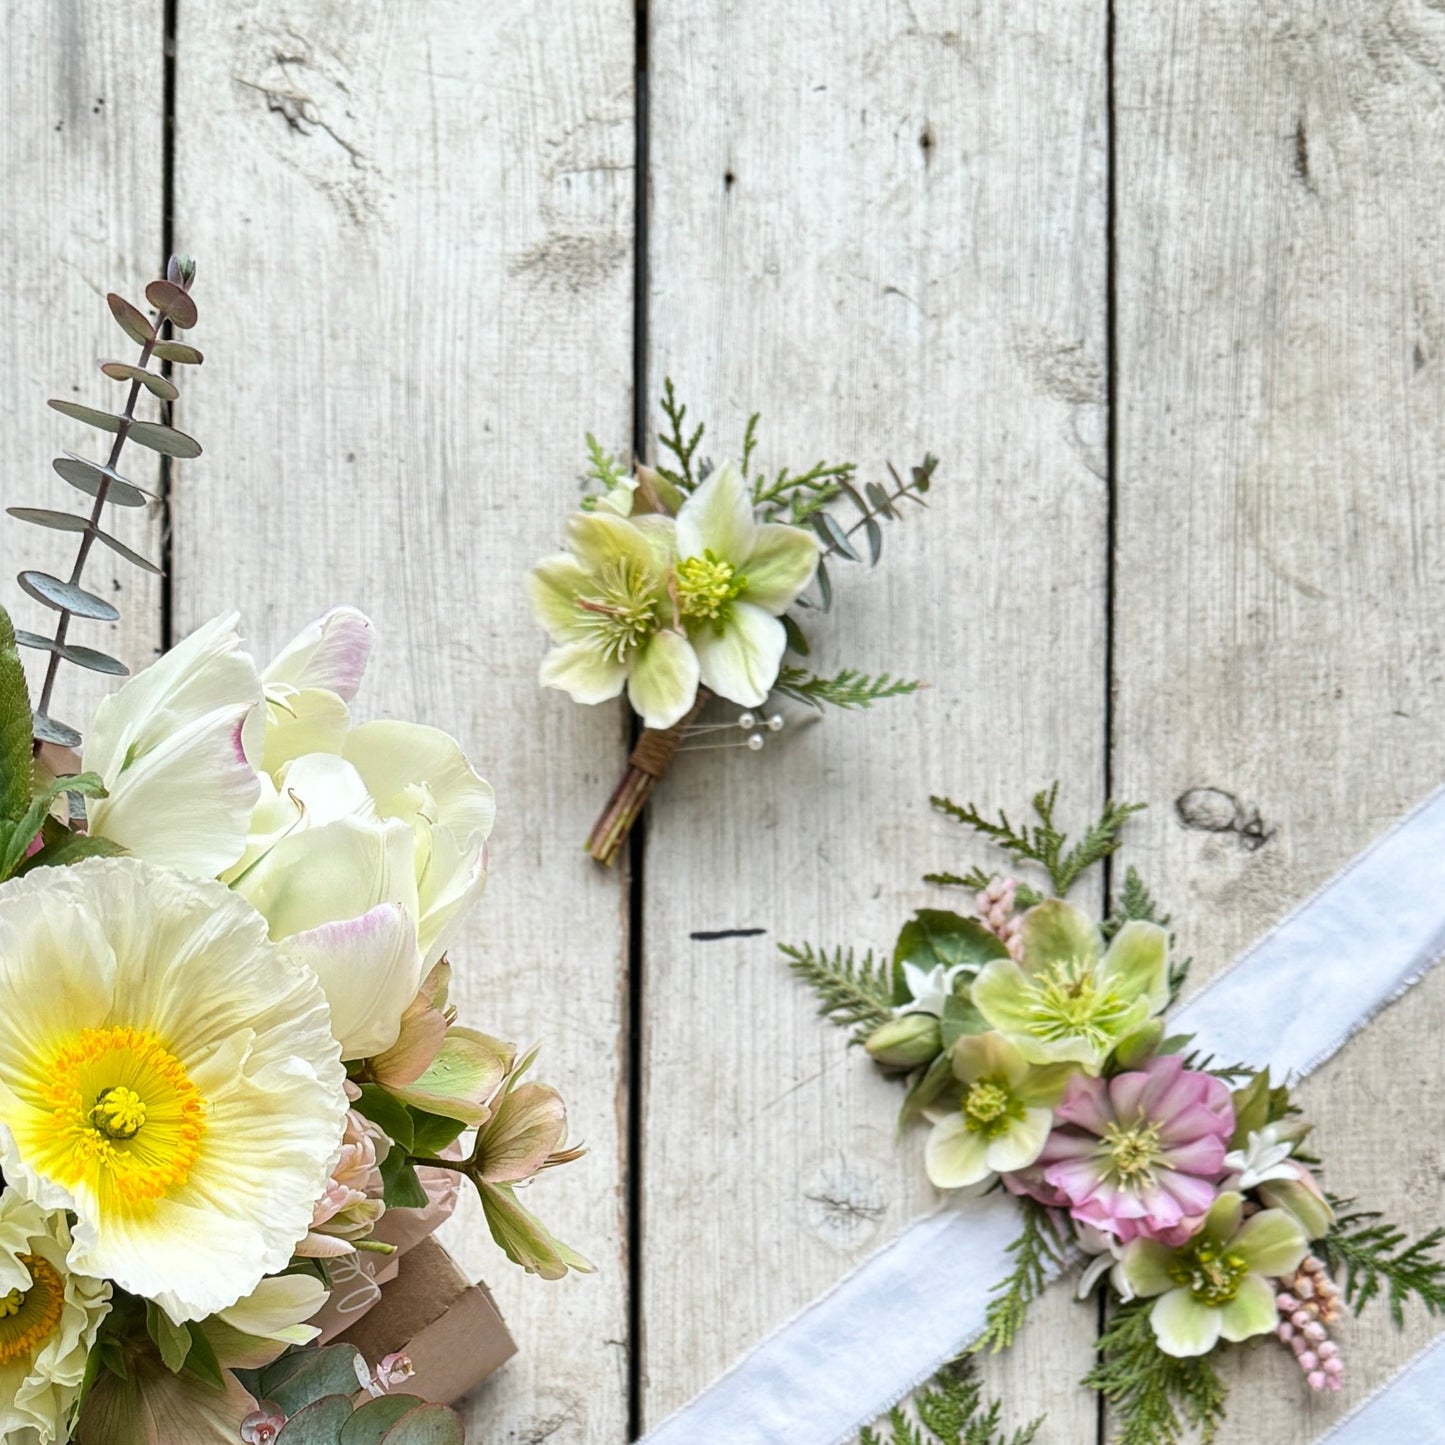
29 1317
127 1121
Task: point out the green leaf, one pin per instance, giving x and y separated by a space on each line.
88 785
133 322
17 768
172 1340
961 1017
847 689
319 1423
70 848
202 1361
797 640
951 1411
1367 1254
927 1089
401 1189
393 1116
851 991
431 1133
934 936
368 1426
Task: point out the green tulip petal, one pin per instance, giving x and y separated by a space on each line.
1137 964
1271 1242
741 663
954 1155
781 564
553 587
1023 1143
1146 1267
1251 1312
1055 932
663 685
1183 1326
582 672
718 518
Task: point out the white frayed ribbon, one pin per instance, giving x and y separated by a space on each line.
1289 1002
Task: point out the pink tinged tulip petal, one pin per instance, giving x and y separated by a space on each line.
461 1080
330 653
368 969
527 1126
1183 1326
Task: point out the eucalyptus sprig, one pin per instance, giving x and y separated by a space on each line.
170 297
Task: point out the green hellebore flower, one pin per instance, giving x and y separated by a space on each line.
1005 1111
607 607
735 579
1217 1286
1069 1000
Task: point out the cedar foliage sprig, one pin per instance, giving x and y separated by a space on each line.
951 1411
847 689
1156 1397
1042 842
602 466
1037 1253
851 990
1366 1255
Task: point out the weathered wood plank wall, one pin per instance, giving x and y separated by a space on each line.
888 227
416 268
1279 581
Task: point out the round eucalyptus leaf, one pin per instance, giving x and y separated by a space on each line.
177 351
50 731
86 476
426 1425
35 640
164 439
66 597
173 303
56 521
319 1423
104 420
134 323
155 384
371 1422
88 657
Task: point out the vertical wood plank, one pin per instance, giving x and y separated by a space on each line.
413 229
1280 585
883 226
82 162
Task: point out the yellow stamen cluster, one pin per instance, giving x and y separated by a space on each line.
127 1121
29 1317
1067 1003
989 1108
706 587
1212 1276
621 613
1132 1153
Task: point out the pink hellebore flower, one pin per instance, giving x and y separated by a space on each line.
352 1203
1141 1154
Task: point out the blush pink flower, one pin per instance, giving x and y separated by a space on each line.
352 1203
1141 1154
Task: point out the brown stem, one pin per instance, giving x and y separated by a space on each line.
646 767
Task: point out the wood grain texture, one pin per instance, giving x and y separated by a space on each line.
883 226
81 165
414 242
1280 582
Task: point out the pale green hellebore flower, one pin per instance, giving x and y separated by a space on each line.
1069 1000
606 605
735 579
1217 1286
1003 1117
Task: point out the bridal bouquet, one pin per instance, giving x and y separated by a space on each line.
1035 1045
228 1066
681 582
